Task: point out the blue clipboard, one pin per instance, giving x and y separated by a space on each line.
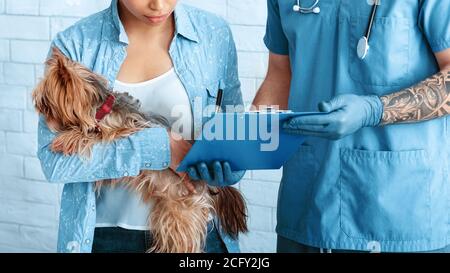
245 141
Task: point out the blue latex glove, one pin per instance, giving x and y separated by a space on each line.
218 175
346 115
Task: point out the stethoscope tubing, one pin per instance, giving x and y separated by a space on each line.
372 19
363 43
309 9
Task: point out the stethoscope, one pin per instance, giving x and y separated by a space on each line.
362 48
314 8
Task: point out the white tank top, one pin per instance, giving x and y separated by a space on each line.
165 96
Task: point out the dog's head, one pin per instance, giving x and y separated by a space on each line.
69 94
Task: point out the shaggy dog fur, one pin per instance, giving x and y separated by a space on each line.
69 96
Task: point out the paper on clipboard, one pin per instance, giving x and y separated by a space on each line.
248 141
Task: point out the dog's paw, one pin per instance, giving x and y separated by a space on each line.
61 144
59 147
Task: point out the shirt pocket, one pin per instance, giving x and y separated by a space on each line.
212 90
208 96
385 196
387 62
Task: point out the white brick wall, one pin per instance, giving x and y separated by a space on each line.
29 206
30 7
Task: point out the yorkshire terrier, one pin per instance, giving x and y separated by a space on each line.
80 108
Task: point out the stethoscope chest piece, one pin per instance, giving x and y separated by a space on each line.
362 48
363 43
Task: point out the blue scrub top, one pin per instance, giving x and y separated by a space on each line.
386 186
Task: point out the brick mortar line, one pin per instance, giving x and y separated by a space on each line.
20 248
24 201
23 63
25 249
21 200
43 226
27 40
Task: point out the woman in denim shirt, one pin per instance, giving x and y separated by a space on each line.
140 45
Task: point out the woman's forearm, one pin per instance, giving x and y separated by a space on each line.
148 149
427 100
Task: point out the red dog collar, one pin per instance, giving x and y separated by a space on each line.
106 108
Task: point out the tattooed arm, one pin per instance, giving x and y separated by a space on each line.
428 100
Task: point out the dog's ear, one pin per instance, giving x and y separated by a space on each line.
57 55
43 95
66 96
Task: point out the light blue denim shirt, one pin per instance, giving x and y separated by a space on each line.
205 59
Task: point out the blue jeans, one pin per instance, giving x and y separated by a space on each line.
285 245
119 240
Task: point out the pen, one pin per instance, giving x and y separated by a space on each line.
219 101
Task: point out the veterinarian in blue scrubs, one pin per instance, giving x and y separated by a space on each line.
358 184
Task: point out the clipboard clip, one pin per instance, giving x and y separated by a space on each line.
271 109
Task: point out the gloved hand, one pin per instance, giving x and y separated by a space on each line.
346 115
218 175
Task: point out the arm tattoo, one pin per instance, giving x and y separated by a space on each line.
428 100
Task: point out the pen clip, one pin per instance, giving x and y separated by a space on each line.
219 101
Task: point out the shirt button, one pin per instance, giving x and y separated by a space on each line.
165 164
87 241
73 247
125 174
148 165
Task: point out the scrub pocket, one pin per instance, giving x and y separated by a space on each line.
295 193
385 196
387 62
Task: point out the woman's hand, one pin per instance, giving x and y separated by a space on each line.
178 150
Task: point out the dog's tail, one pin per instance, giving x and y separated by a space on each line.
231 210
